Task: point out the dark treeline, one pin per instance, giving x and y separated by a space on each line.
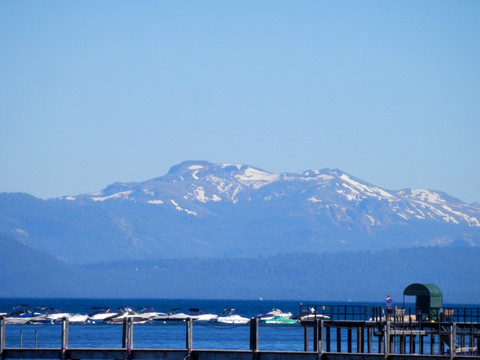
347 276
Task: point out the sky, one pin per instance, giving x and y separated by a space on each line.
97 92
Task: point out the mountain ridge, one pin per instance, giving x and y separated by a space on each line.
220 210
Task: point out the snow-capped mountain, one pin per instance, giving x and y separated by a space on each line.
190 186
205 209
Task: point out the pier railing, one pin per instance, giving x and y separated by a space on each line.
400 313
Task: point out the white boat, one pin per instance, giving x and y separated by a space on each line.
78 318
101 314
198 315
19 315
227 317
43 315
54 315
311 315
173 315
127 313
274 313
150 312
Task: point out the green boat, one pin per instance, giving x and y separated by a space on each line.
280 320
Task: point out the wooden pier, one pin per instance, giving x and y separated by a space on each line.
391 338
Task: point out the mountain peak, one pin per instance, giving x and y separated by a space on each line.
245 174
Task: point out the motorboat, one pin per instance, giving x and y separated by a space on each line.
127 313
173 315
149 311
227 317
78 318
54 315
198 315
42 315
274 313
311 315
280 320
101 314
19 315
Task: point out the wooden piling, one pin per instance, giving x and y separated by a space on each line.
305 338
254 334
64 337
2 336
189 334
339 339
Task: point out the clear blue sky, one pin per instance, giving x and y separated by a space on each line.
94 92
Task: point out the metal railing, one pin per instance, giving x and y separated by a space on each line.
377 313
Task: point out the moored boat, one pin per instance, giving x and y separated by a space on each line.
101 314
274 313
198 315
228 317
127 313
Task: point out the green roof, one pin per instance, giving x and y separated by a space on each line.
423 289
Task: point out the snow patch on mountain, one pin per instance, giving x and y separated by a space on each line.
121 195
199 194
423 195
238 166
179 208
357 189
256 178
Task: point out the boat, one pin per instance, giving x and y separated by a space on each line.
149 311
227 317
311 315
101 314
19 315
127 313
173 315
280 320
78 318
274 313
197 315
43 315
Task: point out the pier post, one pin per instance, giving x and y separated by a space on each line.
381 340
412 343
453 337
369 340
320 339
387 338
254 334
305 337
127 334
339 339
2 336
432 344
64 337
316 337
328 338
349 338
420 344
360 339
189 335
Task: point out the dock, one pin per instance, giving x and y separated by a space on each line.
340 332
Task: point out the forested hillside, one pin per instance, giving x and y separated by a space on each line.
355 276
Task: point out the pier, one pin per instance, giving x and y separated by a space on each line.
330 332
